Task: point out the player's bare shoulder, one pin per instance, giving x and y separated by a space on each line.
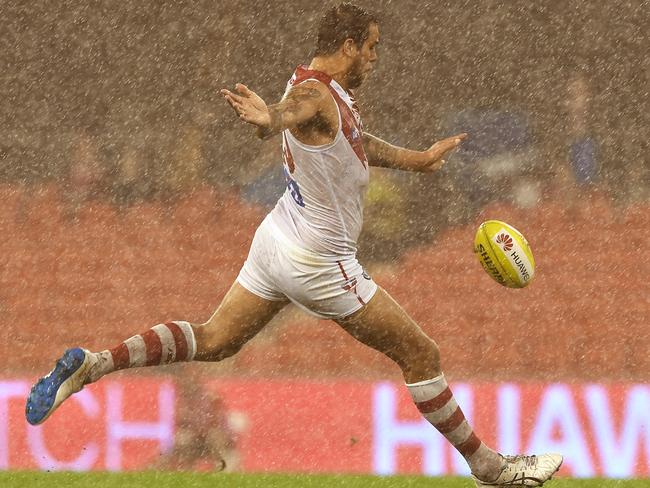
308 91
321 128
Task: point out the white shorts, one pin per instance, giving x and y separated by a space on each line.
277 269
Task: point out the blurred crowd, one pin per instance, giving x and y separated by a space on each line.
122 104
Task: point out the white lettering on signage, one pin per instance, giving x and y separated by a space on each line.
8 390
464 395
89 453
509 418
619 456
118 430
557 415
608 438
390 433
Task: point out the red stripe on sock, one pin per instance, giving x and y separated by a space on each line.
121 357
470 446
451 423
153 346
180 340
435 403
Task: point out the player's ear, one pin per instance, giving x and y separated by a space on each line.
350 47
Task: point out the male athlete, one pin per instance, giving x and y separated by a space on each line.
304 252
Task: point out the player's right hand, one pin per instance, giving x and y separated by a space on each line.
248 105
437 152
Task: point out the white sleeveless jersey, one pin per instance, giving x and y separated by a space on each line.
322 208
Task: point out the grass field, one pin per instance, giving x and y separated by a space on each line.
152 479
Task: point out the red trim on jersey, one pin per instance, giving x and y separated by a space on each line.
303 73
350 117
286 154
351 129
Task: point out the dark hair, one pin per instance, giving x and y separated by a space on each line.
341 22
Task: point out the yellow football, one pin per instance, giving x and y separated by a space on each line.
504 253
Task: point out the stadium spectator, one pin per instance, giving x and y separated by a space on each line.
185 168
386 218
204 438
264 183
498 163
131 180
582 151
86 172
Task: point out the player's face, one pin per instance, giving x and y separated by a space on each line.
363 62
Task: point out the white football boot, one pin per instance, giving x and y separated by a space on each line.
68 376
525 471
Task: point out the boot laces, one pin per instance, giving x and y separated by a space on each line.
529 461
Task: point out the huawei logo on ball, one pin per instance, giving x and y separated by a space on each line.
505 240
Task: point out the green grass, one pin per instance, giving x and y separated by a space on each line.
151 479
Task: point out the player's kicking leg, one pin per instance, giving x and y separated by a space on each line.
239 317
383 325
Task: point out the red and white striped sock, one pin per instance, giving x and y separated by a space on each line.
163 344
437 404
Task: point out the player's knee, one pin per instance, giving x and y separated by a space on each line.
428 352
423 356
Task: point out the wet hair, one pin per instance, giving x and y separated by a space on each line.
342 22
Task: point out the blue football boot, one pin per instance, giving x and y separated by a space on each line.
68 377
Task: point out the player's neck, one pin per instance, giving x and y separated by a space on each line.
331 66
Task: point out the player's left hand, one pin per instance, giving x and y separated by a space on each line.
435 155
250 107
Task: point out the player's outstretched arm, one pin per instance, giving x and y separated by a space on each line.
298 106
381 153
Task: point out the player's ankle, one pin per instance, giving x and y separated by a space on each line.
487 466
99 366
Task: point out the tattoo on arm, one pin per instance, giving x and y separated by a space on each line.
276 119
301 100
380 152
